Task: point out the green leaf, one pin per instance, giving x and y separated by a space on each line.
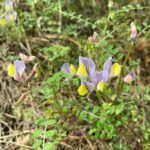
93 130
51 122
42 121
48 146
95 109
119 109
51 133
37 144
83 115
39 121
37 133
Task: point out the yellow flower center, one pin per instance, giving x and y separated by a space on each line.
2 22
72 69
82 71
100 86
115 69
10 70
82 90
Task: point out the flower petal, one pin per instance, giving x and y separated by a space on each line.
81 72
18 77
89 64
89 86
98 76
65 68
115 69
107 65
82 90
105 76
11 17
100 86
72 69
26 58
92 39
19 67
129 77
132 73
9 5
11 70
2 22
133 31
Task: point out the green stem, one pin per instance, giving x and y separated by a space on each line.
120 82
99 97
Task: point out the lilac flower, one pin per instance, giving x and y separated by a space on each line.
65 68
85 87
11 17
99 79
26 58
86 67
129 77
9 6
93 38
98 76
107 65
133 31
103 75
69 69
88 85
19 68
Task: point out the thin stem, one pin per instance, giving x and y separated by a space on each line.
17 144
44 138
55 97
98 96
120 83
60 17
143 30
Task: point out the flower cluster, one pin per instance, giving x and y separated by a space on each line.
90 78
17 69
10 13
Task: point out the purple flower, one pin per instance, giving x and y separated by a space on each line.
19 67
107 65
133 32
129 77
26 58
103 75
89 64
68 69
85 88
65 68
11 17
98 76
93 38
89 86
9 6
99 79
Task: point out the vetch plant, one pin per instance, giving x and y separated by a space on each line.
69 69
17 69
90 78
10 14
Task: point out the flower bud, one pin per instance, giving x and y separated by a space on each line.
26 58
